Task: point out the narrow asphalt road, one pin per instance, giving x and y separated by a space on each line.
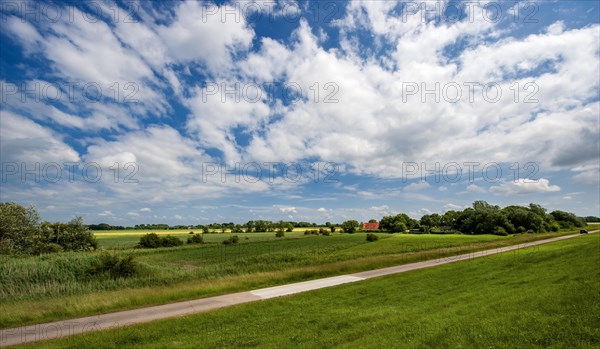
58 329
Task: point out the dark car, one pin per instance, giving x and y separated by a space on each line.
583 231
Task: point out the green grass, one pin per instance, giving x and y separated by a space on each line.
541 297
124 239
53 287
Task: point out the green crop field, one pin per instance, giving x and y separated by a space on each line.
124 239
59 286
541 297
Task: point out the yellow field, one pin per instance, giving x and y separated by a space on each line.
163 232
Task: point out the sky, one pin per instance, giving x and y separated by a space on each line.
176 112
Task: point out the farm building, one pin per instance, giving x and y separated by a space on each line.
370 226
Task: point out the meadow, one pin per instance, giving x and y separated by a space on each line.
541 297
59 286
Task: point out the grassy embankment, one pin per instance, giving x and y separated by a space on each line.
52 287
541 297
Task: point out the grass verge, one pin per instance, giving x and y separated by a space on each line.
542 297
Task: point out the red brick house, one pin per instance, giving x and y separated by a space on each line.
370 226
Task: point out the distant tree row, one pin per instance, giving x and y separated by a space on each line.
22 233
484 218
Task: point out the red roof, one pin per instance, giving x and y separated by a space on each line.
370 226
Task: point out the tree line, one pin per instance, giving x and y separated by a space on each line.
484 218
21 229
22 232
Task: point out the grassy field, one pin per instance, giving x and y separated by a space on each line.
124 239
52 287
541 297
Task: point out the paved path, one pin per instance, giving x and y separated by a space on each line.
71 327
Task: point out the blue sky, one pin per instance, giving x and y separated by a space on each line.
195 112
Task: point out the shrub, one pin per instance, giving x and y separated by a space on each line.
195 239
114 266
279 234
151 240
170 241
500 231
372 237
191 232
232 240
325 232
530 231
43 248
350 226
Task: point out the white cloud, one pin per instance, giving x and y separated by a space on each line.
588 177
288 209
454 207
476 189
24 141
525 186
197 35
417 186
145 209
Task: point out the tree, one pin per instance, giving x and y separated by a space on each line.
350 226
372 221
449 219
75 236
566 219
430 220
398 223
19 228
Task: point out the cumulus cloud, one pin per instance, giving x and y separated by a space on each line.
474 188
525 186
417 186
25 141
362 117
288 210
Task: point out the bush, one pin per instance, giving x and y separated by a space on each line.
325 232
311 232
191 232
114 266
43 248
500 231
530 231
279 234
170 241
152 240
350 226
195 239
232 240
372 237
